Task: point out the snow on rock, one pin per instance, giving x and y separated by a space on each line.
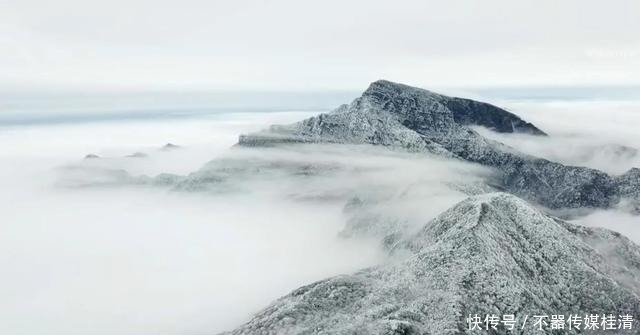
490 254
400 116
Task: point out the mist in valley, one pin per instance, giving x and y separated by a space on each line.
600 134
152 259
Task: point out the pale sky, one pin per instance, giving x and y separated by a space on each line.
316 45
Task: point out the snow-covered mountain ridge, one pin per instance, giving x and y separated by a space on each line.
400 116
489 254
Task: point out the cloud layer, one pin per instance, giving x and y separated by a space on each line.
133 260
136 260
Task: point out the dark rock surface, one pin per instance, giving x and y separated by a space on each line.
410 102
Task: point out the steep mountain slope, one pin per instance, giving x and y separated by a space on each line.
414 119
490 254
629 188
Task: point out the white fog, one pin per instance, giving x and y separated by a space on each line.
131 260
128 260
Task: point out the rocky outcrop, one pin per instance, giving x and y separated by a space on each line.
490 254
170 147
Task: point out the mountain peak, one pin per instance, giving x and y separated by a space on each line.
490 254
479 215
383 84
385 89
413 119
420 102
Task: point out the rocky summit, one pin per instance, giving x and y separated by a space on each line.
492 254
418 120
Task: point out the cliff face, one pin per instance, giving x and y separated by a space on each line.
413 119
489 254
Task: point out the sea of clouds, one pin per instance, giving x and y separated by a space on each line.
136 260
139 259
131 259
